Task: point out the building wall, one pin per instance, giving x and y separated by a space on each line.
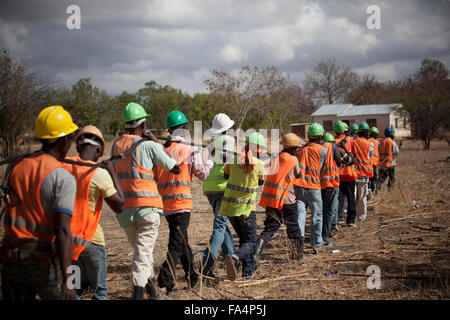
382 122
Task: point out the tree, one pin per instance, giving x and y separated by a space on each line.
88 105
426 98
329 82
235 90
21 98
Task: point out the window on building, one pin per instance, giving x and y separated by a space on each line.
328 125
347 122
396 123
404 123
372 122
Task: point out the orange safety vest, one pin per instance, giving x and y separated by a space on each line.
176 189
347 173
25 217
309 161
363 164
376 153
329 175
84 222
137 183
275 188
386 153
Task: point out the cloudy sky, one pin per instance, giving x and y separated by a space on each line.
123 44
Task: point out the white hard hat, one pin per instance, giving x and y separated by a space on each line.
221 123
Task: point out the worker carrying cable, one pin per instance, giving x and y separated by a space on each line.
244 176
278 199
363 151
214 189
143 204
177 200
388 151
94 184
39 203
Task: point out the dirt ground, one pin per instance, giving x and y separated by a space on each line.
406 235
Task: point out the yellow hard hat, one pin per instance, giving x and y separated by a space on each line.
54 122
90 129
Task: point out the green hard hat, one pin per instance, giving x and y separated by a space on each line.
354 127
256 138
328 137
374 130
175 118
363 126
315 129
133 111
339 126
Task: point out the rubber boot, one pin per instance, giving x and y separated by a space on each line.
260 245
138 293
299 243
152 290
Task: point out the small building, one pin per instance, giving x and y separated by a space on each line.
376 115
300 129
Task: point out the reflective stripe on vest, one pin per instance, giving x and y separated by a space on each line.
28 219
84 222
363 164
329 175
347 172
240 194
276 189
386 153
175 189
137 183
376 153
309 162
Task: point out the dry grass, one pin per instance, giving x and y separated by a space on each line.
410 244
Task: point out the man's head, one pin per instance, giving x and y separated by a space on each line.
255 142
388 132
328 138
90 143
373 132
55 130
290 143
339 127
221 123
134 118
315 132
363 130
176 122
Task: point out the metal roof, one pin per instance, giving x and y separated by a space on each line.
349 110
331 109
369 109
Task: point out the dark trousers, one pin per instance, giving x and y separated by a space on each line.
373 180
25 281
245 228
178 250
347 189
385 173
274 218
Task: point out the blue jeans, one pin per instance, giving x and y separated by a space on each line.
313 199
92 262
221 236
246 231
330 201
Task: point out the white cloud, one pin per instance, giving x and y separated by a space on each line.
231 54
12 36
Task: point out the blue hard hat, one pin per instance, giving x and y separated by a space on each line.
388 132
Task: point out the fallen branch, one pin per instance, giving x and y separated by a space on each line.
411 216
257 282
